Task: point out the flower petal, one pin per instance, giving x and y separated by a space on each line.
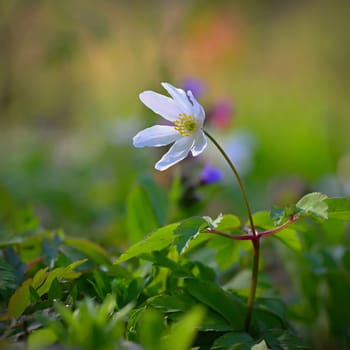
200 143
156 136
197 107
179 97
160 104
178 151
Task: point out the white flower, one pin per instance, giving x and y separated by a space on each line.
187 116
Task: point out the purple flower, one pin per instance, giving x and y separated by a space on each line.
195 85
210 175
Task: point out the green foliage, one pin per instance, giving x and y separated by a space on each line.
339 208
41 338
230 307
180 287
42 283
147 206
7 277
186 231
158 240
90 326
182 334
313 204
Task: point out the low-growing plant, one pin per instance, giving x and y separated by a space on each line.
194 283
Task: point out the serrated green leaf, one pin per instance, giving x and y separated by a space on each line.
277 215
339 208
188 230
20 299
213 223
158 240
314 204
210 294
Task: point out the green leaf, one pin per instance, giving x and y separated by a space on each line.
287 236
278 215
263 220
147 208
290 238
60 273
228 252
182 334
213 223
210 294
20 299
157 240
314 204
188 230
158 199
41 339
229 223
34 296
339 208
39 278
140 215
90 249
229 340
55 290
282 339
7 276
150 328
172 303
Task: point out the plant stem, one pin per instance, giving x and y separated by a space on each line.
292 219
253 283
253 236
240 182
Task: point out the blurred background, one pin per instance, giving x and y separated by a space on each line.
272 75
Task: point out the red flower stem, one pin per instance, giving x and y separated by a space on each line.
250 237
229 236
292 219
253 235
255 239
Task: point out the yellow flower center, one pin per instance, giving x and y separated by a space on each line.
186 125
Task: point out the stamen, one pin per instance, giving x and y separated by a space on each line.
186 125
